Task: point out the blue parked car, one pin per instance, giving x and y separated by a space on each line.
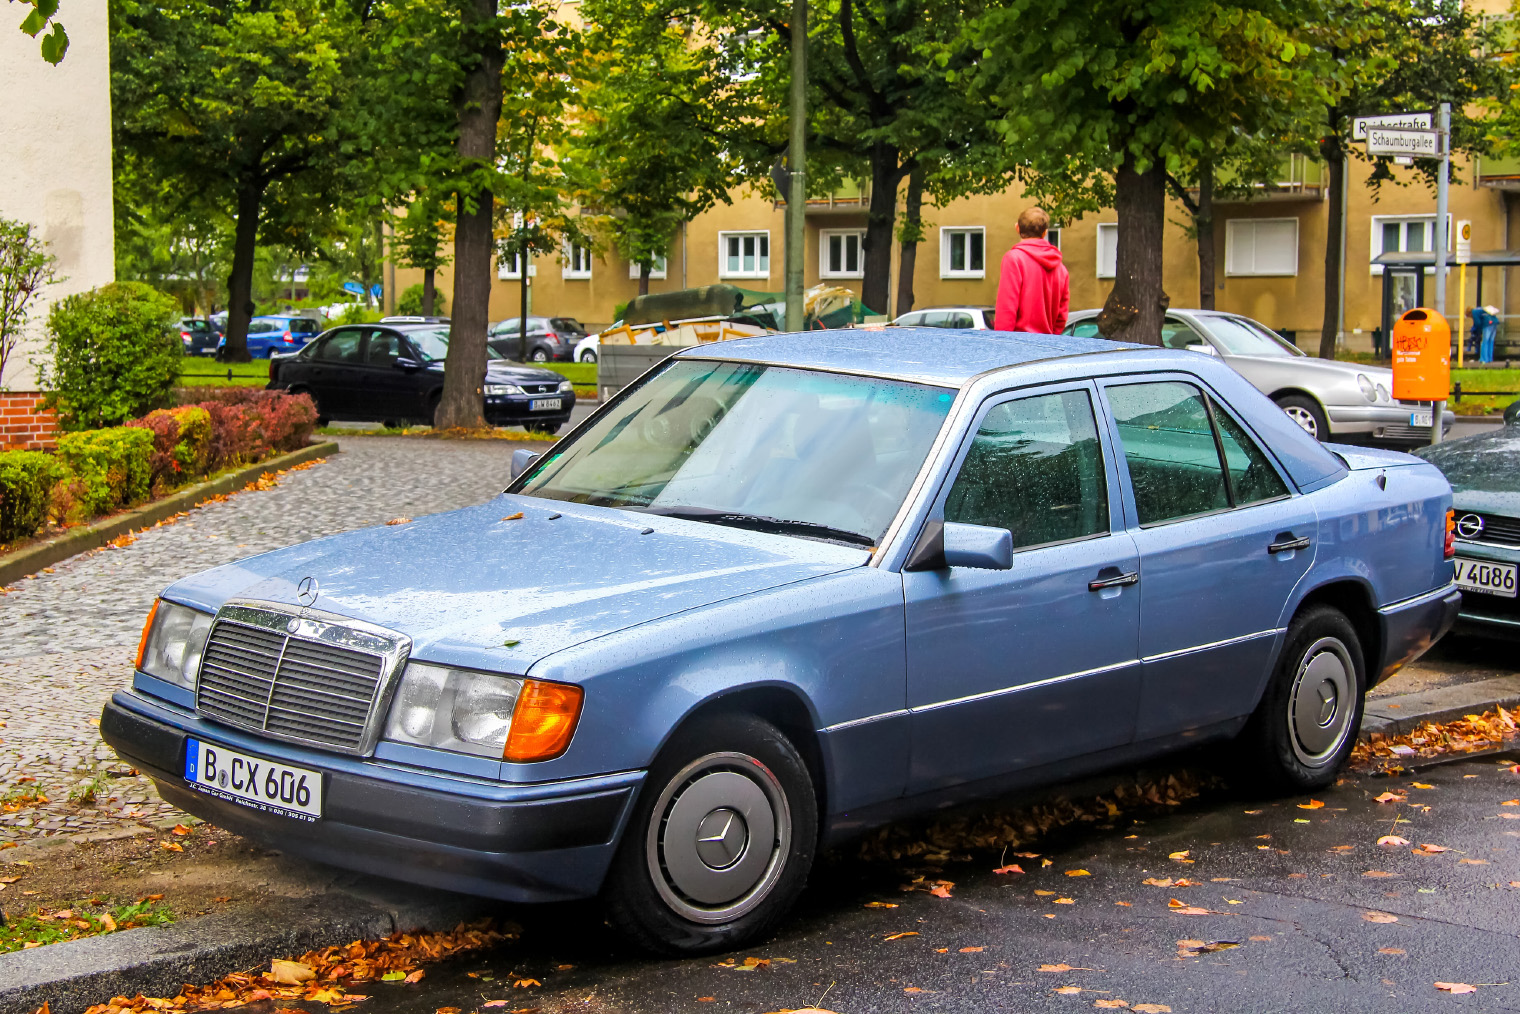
268 335
786 588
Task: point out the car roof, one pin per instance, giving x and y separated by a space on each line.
930 354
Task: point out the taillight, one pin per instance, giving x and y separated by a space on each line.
1450 549
287 337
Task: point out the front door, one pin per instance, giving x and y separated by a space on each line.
382 390
1221 550
1012 669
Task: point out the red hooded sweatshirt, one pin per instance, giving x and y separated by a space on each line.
1034 291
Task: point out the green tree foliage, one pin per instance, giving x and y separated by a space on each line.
419 243
114 355
25 267
1125 90
170 237
56 42
652 128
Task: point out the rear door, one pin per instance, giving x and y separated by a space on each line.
331 374
1223 542
383 390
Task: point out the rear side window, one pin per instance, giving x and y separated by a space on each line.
340 347
1036 469
1186 456
263 327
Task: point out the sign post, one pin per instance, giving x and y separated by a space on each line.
1463 255
1443 132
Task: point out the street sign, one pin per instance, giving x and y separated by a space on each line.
1393 121
1400 141
1464 242
353 287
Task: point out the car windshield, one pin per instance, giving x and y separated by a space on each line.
794 451
1243 338
432 344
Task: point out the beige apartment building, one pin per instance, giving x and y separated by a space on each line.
1271 251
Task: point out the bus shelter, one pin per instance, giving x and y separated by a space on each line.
1407 278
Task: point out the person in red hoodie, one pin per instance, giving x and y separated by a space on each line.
1034 291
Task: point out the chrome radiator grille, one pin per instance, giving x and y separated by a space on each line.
303 678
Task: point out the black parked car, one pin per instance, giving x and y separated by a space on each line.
549 339
394 372
199 336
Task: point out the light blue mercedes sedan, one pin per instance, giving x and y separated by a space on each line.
781 590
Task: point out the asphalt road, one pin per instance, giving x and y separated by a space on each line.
1321 917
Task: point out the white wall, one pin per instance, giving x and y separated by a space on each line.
55 159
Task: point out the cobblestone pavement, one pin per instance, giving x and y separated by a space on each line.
67 637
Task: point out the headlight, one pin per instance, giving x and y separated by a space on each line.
1382 393
172 642
503 389
1369 389
565 387
483 714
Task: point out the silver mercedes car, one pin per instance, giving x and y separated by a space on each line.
1342 402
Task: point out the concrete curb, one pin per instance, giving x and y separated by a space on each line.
1399 714
14 566
157 960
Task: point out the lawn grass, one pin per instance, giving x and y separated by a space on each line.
203 371
577 373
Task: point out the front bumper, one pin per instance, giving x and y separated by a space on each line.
1483 614
515 410
526 843
1412 626
1379 423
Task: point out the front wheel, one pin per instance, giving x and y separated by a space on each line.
544 429
1307 413
1305 727
721 842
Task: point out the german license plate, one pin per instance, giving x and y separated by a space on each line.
1489 578
545 404
1426 417
253 781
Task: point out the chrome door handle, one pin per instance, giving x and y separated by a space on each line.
1287 545
1098 584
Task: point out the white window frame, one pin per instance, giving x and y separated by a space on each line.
1107 243
1376 236
946 232
508 271
576 262
741 235
656 270
824 236
1233 269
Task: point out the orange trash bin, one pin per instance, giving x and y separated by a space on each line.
1421 356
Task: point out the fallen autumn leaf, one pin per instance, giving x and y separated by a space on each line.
1379 917
1456 987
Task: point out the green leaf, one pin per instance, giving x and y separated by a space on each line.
54 45
393 976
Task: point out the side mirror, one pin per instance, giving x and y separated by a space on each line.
403 363
522 460
1206 349
945 544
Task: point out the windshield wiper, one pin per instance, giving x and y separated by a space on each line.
760 523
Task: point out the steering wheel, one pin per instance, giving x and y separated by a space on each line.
684 426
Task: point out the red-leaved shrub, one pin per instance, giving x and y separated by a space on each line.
248 424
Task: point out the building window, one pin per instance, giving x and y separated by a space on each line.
656 270
1261 246
963 252
840 254
509 267
577 262
1053 236
744 255
1405 234
1108 249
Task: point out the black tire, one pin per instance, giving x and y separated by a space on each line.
547 429
588 356
1307 413
391 424
322 419
539 355
1287 747
711 777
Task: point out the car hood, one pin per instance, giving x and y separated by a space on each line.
504 584
507 371
1484 470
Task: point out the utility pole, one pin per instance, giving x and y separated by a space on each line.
1443 138
796 198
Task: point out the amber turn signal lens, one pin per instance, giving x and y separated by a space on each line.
142 642
1449 550
543 721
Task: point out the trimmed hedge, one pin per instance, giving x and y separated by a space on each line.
102 470
111 468
27 479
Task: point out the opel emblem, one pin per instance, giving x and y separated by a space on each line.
307 591
1470 526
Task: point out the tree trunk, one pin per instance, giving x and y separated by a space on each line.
644 279
1203 222
429 290
1335 224
479 107
240 283
876 286
912 224
1137 305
